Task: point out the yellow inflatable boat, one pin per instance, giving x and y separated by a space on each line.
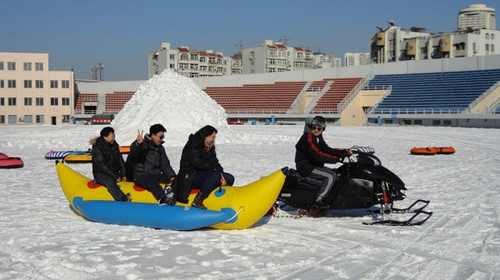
250 202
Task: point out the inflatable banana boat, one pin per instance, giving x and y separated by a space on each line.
85 158
62 154
232 207
78 158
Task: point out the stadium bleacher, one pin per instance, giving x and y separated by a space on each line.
116 100
338 90
257 98
437 92
83 98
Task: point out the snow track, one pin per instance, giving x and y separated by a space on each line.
42 238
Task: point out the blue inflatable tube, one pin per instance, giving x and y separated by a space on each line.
151 215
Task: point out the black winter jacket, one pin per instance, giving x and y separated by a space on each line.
194 158
107 159
312 151
148 158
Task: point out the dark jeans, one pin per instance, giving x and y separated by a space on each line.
111 185
152 184
208 180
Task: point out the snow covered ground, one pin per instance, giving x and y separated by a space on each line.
41 238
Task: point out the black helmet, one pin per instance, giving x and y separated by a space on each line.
319 121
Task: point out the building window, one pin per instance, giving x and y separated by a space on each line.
54 101
28 101
39 101
2 119
492 48
12 83
492 37
65 83
2 84
28 84
11 66
39 84
53 84
28 118
40 119
65 101
65 118
2 101
39 66
12 119
27 66
12 101
1 68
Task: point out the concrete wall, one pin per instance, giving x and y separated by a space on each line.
353 114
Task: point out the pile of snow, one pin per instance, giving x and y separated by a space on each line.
177 103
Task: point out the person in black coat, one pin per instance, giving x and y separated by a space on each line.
151 165
200 168
312 153
108 166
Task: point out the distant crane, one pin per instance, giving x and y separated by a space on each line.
285 39
241 44
310 47
97 72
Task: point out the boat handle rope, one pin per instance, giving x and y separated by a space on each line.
235 215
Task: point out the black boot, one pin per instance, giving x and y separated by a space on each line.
198 201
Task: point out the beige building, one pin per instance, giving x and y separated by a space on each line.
476 36
32 94
189 62
356 59
476 16
272 57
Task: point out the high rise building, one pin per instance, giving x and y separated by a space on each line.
356 59
476 16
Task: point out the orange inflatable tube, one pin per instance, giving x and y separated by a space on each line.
432 150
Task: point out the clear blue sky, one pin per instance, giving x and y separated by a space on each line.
120 34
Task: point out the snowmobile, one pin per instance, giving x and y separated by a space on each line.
362 182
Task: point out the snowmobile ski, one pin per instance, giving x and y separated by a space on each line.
408 222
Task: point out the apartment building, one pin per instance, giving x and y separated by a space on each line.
189 62
32 94
476 36
271 57
356 59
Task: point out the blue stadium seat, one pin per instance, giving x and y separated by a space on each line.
437 92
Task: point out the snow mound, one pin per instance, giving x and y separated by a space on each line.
178 104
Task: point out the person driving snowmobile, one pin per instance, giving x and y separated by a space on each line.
312 153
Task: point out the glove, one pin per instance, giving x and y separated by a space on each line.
346 153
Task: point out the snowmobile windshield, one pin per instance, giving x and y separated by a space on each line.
368 159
